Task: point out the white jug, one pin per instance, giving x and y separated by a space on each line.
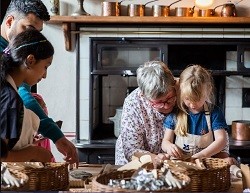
117 121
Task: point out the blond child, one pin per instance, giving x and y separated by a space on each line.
198 129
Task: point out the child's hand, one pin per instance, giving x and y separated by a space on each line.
158 159
174 151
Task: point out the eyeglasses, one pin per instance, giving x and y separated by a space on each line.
163 104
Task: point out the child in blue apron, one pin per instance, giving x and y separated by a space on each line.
198 129
26 59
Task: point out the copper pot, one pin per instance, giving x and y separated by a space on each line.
111 8
162 10
138 9
228 10
184 11
206 12
241 130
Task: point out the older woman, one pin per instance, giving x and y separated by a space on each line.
143 112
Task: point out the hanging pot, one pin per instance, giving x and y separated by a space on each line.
206 12
111 8
228 10
117 121
137 9
184 11
162 10
241 130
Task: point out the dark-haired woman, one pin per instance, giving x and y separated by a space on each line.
26 59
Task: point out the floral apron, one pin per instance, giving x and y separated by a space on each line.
30 125
192 144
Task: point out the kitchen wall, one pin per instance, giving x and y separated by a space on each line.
59 88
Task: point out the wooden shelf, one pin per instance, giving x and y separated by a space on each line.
150 20
68 22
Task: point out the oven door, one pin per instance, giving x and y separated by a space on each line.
124 56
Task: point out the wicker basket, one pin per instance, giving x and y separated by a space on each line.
18 175
54 176
215 178
99 183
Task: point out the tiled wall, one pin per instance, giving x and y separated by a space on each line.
234 85
119 84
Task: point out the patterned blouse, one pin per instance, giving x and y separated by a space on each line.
141 128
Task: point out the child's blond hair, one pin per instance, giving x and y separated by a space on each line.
195 82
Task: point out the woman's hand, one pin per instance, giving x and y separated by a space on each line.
68 149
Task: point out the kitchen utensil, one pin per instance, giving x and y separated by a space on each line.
117 121
184 11
241 130
162 10
81 10
137 9
206 12
228 10
111 8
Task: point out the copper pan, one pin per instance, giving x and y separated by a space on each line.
138 9
111 8
241 130
162 10
184 11
206 12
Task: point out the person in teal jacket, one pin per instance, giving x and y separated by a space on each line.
21 15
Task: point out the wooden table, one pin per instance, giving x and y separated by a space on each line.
236 183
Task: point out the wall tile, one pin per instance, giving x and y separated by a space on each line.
239 33
246 82
84 68
84 89
234 98
84 106
247 33
84 131
231 65
234 82
231 55
246 114
84 40
232 114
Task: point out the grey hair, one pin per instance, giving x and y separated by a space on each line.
154 79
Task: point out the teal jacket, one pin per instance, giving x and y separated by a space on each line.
3 44
48 128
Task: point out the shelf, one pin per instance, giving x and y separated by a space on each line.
150 20
68 23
